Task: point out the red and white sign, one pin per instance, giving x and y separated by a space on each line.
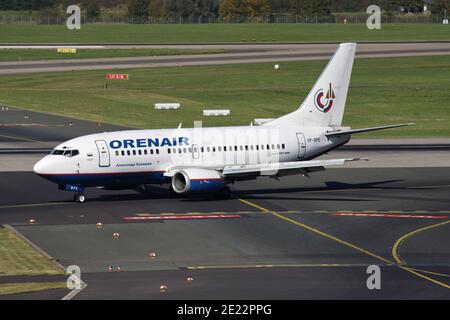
117 76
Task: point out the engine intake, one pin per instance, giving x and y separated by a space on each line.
197 180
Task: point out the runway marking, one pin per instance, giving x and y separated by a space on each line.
318 231
431 272
387 215
395 248
387 261
405 214
250 266
184 216
34 205
193 213
20 138
72 293
30 125
424 187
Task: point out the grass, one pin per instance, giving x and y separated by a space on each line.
19 258
383 91
14 288
52 54
221 33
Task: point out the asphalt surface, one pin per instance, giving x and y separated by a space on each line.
289 239
238 54
17 125
258 254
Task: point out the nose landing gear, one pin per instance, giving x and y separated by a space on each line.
79 198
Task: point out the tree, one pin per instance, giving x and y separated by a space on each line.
92 8
158 8
309 8
439 6
229 9
138 8
256 10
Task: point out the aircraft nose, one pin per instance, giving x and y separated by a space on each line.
40 166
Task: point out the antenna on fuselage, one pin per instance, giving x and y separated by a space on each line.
179 126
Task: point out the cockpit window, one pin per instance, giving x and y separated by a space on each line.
67 153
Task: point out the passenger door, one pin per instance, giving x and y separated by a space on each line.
103 153
301 145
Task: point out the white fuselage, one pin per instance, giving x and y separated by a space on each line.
134 157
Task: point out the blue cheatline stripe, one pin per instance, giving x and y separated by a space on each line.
108 179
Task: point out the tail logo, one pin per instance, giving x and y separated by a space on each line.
324 102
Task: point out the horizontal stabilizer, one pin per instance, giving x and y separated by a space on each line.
338 132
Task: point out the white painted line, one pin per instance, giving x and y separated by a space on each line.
72 293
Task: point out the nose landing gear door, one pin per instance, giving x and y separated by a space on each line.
103 153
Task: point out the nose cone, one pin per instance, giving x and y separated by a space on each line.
41 166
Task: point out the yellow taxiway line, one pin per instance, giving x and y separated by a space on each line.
348 244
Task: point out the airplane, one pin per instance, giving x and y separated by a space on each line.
207 160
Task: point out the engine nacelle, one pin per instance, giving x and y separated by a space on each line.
197 180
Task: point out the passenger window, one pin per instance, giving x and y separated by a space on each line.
157 151
134 152
235 148
184 150
117 153
213 149
282 146
151 151
251 147
123 152
145 151
278 146
225 148
241 148
168 151
140 152
246 148
128 152
207 149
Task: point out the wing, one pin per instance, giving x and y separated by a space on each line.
241 172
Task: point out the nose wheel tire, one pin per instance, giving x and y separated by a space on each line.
79 198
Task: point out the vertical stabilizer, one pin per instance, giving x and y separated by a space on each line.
325 103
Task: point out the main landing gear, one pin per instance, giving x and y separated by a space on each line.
224 193
79 198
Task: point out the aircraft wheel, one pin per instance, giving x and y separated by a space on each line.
80 198
225 193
